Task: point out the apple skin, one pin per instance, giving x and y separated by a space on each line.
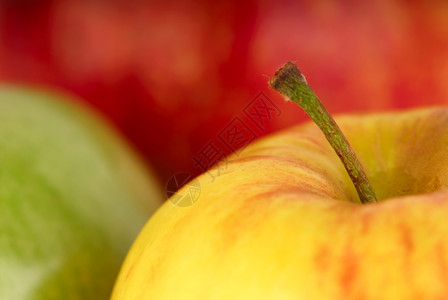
283 220
73 197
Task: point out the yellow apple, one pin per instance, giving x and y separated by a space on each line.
283 220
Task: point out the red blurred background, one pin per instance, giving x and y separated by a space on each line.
172 75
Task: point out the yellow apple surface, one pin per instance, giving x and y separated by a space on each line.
283 220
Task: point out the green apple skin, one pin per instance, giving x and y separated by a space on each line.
282 220
73 197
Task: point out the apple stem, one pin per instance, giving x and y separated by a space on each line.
291 84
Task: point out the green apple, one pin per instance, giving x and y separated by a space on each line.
73 197
283 220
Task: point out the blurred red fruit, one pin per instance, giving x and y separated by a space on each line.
172 76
